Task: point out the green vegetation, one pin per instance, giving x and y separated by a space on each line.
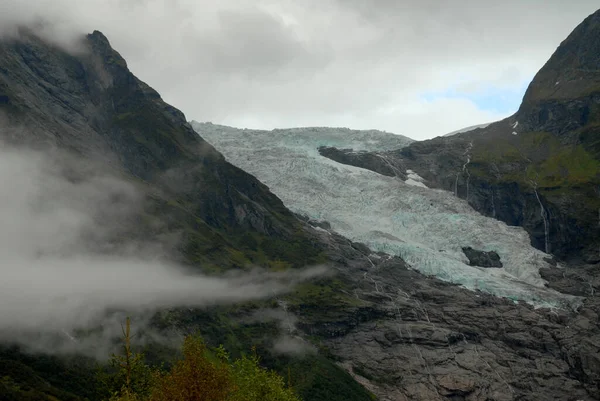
315 378
203 374
536 156
25 377
322 292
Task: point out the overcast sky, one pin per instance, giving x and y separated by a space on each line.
419 68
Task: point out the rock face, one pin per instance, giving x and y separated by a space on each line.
368 160
563 96
90 104
482 258
538 169
410 337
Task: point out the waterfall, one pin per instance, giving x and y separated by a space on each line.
464 170
545 218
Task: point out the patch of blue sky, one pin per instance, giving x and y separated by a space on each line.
493 99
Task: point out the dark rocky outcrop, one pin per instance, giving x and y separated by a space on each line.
482 258
368 160
564 96
87 109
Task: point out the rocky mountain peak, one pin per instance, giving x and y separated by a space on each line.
564 97
91 104
573 71
100 45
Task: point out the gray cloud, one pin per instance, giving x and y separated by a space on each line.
255 44
356 63
62 270
289 340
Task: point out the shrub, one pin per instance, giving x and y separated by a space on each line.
201 375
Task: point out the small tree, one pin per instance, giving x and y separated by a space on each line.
199 376
254 383
202 375
130 378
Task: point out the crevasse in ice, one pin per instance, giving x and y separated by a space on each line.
426 227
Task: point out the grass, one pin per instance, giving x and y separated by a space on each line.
537 156
325 291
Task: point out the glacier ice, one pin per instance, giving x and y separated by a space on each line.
426 227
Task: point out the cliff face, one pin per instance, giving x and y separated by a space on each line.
548 153
569 82
90 104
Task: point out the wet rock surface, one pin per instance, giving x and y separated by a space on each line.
412 337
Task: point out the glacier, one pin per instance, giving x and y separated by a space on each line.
426 227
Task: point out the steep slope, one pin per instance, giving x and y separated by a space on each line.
90 104
195 207
539 169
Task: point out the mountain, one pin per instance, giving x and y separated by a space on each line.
86 105
417 202
376 327
428 229
412 335
540 168
90 104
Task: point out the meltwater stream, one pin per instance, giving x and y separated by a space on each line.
426 227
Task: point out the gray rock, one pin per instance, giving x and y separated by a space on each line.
423 339
482 258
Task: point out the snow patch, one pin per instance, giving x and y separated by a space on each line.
514 133
515 125
467 129
415 183
415 179
426 227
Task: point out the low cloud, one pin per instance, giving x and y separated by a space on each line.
66 258
296 346
289 341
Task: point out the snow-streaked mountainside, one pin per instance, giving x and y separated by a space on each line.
426 227
467 129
